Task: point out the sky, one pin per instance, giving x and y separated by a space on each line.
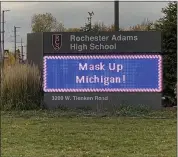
74 14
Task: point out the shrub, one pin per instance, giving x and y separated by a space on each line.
21 87
129 110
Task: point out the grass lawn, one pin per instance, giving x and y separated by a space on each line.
43 134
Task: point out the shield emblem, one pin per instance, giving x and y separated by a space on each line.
56 41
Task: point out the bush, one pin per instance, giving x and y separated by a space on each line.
135 111
21 87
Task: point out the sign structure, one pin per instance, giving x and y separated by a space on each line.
103 73
87 69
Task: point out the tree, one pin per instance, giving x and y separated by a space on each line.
168 26
111 28
88 25
45 23
59 27
72 30
146 25
9 59
98 27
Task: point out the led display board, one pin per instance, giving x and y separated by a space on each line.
102 73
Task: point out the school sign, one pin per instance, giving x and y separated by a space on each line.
87 69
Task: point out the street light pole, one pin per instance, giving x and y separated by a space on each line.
0 27
3 31
116 15
1 55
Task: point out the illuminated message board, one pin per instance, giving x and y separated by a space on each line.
103 73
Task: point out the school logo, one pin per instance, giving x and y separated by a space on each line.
56 41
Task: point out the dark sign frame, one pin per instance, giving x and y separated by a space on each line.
40 44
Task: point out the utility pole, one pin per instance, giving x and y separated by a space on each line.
1 55
3 30
0 27
21 56
15 41
21 59
116 15
21 52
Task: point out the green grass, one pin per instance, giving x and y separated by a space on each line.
56 134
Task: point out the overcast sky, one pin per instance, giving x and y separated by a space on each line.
75 14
